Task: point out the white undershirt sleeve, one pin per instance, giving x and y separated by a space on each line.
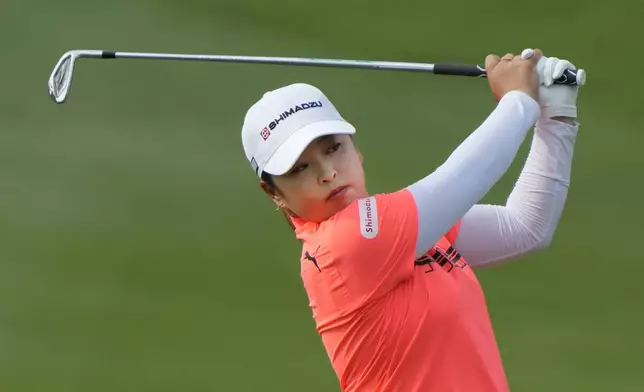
447 194
490 234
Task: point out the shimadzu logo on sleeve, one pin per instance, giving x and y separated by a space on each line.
368 217
285 114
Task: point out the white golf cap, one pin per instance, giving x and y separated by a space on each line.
279 127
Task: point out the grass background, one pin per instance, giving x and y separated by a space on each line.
137 253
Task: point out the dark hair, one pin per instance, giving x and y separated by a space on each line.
268 179
270 182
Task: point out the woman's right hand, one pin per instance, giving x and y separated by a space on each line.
513 73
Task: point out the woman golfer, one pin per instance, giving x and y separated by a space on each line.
389 276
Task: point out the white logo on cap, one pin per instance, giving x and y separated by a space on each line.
368 217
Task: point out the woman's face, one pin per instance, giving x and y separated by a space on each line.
326 178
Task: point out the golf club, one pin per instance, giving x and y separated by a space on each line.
60 80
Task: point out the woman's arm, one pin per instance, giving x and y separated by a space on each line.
446 195
490 234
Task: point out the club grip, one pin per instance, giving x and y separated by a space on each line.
568 78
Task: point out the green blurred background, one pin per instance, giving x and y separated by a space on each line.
138 254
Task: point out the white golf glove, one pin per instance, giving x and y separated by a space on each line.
556 100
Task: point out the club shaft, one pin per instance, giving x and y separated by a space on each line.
61 77
365 64
569 77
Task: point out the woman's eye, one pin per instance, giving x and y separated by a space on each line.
335 147
298 168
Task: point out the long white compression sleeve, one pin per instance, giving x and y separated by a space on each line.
447 194
490 234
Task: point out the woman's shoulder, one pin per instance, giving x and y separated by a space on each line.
366 219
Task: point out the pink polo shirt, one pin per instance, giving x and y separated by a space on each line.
390 321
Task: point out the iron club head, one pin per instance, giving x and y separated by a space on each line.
60 80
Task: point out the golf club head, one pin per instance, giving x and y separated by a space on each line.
60 80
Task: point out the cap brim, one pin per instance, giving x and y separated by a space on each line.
288 153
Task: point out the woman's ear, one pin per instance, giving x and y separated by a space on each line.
267 189
272 193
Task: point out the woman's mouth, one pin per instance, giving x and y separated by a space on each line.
337 192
